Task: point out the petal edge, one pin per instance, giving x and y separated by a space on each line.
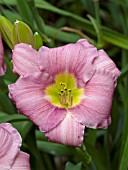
68 132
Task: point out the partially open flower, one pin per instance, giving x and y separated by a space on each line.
64 89
2 65
11 158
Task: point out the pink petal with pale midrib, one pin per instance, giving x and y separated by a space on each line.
72 58
24 59
94 109
68 132
103 62
29 97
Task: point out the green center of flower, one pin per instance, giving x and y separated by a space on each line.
64 92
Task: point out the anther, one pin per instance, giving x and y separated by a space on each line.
62 91
64 85
69 90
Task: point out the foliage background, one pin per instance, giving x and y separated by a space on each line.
105 24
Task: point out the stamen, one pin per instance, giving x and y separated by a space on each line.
71 103
70 97
61 99
64 98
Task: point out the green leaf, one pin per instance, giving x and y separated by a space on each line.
115 38
38 19
82 155
108 34
124 159
23 125
11 15
25 12
12 118
91 138
36 161
6 29
3 114
94 23
9 77
55 149
124 72
124 98
6 104
61 35
8 2
40 136
98 31
57 33
70 166
98 156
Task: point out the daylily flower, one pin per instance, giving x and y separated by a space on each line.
64 89
11 158
2 65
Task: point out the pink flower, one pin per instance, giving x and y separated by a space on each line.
64 89
2 65
11 158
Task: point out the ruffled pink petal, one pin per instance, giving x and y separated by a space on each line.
24 59
85 43
68 132
28 95
21 162
3 67
10 142
103 62
94 109
73 58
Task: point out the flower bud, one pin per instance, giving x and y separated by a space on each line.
21 33
38 40
6 29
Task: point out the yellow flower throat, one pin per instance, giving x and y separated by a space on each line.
63 92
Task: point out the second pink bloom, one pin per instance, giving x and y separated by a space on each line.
11 158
